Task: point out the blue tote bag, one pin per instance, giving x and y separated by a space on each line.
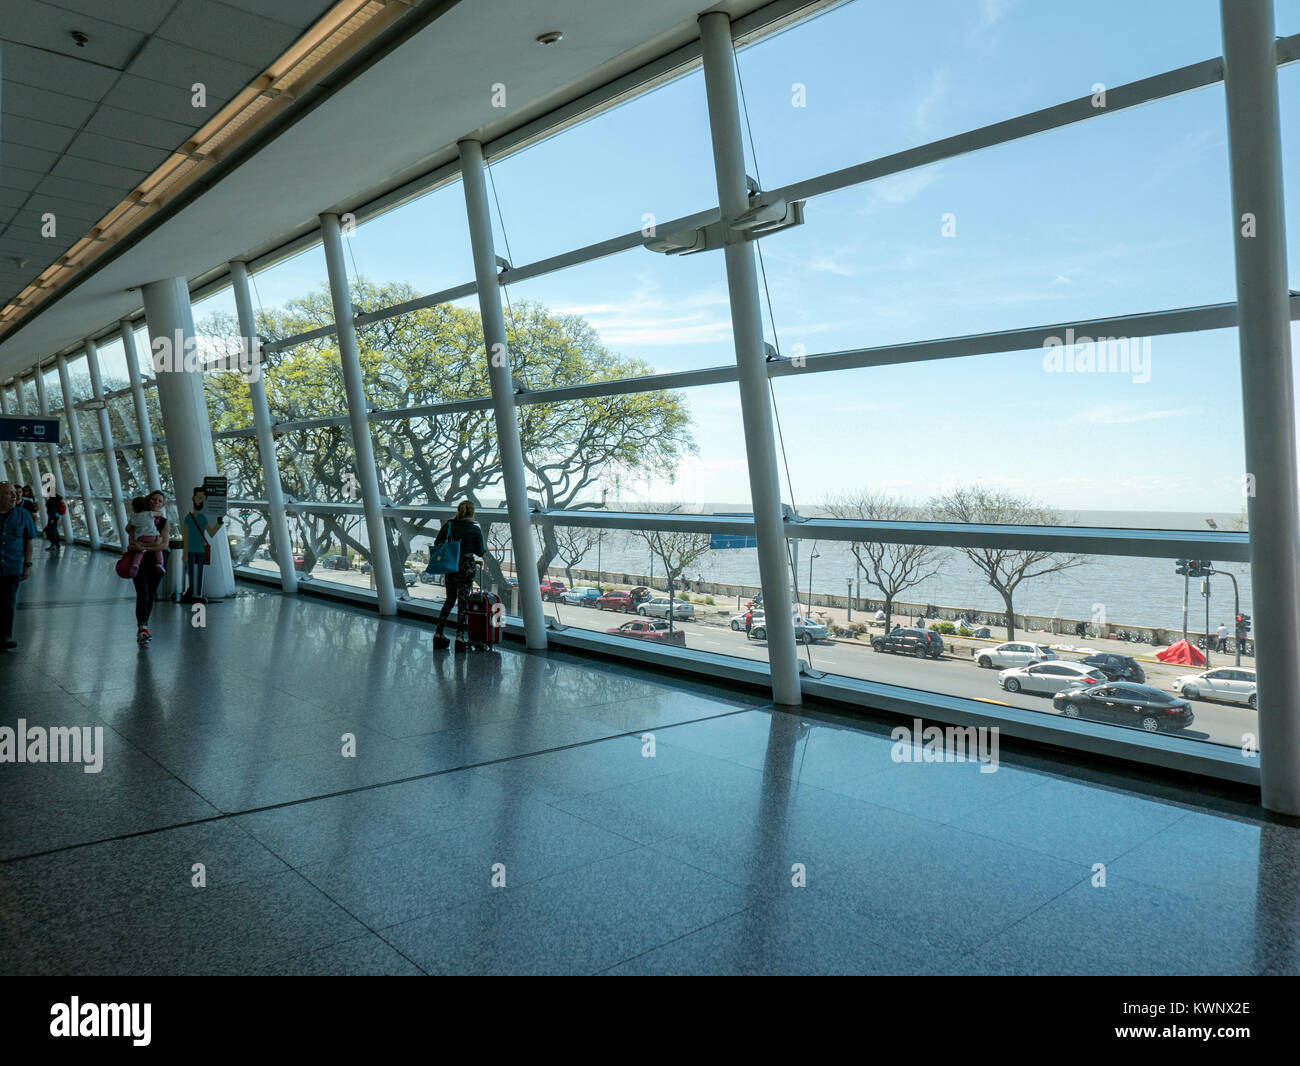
445 558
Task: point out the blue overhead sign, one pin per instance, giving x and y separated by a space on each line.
30 430
718 541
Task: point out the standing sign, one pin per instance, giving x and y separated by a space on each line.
215 489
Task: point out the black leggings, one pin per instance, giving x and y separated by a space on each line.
459 586
146 591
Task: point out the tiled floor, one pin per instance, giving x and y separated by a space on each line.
505 814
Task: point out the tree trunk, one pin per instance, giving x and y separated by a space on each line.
889 611
1011 617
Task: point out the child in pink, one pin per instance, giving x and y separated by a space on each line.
145 531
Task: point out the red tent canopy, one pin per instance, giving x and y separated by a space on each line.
1181 654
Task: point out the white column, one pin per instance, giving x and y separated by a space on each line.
33 477
78 456
14 460
55 463
186 428
747 328
358 415
1267 389
106 438
141 407
503 391
276 518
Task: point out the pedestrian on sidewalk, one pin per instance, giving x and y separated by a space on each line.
148 578
749 623
17 532
1223 637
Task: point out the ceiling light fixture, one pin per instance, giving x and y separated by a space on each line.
550 37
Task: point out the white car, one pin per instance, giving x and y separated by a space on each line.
1047 679
1012 653
1231 684
658 608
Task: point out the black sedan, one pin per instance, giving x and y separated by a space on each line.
1117 667
1135 706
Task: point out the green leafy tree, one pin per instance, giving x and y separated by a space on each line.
425 358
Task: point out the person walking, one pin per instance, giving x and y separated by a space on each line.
55 508
17 531
1223 637
465 531
148 578
27 500
749 623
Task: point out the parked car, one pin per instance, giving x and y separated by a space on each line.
580 596
262 553
616 601
657 607
335 562
639 595
1046 679
1013 653
919 642
1123 703
427 578
1117 667
646 629
552 590
805 631
408 577
1228 684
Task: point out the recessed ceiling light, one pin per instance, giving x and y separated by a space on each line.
79 38
550 37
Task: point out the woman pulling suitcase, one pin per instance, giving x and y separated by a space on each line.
464 532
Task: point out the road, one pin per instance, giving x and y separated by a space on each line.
1217 723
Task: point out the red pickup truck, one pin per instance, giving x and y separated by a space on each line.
553 590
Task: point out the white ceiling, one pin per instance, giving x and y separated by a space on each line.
405 112
82 125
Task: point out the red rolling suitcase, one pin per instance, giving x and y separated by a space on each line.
483 627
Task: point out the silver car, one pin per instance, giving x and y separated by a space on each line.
1231 684
1047 679
658 608
1012 653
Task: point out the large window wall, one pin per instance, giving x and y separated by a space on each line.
916 376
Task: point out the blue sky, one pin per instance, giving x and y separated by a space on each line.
1122 214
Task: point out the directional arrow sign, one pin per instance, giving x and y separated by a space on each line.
30 430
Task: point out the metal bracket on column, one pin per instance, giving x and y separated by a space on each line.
764 216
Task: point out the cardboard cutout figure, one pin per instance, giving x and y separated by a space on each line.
196 531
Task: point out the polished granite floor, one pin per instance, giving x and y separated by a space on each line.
223 747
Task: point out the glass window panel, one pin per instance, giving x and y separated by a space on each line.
879 79
629 314
424 244
872 264
1097 447
649 159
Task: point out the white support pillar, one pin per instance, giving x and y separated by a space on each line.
14 460
503 392
1267 389
184 407
78 456
747 328
33 466
55 463
127 332
276 518
106 439
358 415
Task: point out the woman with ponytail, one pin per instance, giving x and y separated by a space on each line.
464 530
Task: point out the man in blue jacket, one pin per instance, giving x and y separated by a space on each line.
17 532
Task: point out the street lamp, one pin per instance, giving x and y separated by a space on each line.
815 555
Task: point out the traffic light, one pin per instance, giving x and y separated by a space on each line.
1243 625
1207 568
1193 567
1180 567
